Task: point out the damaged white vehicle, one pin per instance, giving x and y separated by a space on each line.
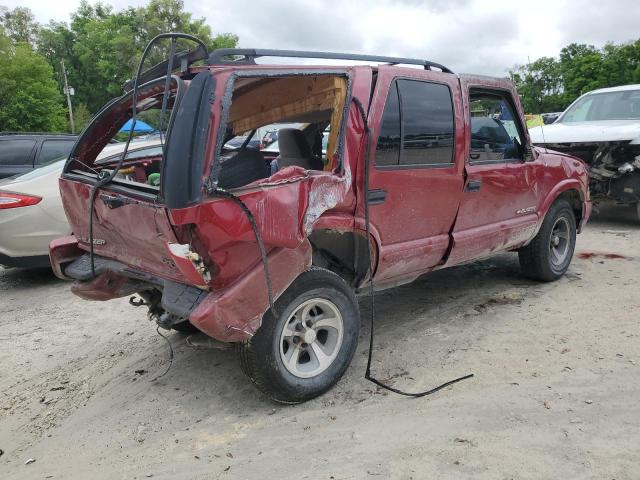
602 128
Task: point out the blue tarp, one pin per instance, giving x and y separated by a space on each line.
140 127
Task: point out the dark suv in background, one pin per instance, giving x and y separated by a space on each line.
22 152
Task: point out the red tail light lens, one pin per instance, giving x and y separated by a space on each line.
15 200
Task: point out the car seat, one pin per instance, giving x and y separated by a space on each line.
241 168
296 151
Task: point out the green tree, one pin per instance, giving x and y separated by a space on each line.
550 84
29 96
581 66
102 47
19 24
540 85
81 116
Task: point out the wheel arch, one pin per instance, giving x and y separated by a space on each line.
572 191
343 252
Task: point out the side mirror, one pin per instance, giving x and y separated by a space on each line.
549 119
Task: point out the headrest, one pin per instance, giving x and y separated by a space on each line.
293 144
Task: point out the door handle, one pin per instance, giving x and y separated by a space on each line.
114 201
376 197
473 186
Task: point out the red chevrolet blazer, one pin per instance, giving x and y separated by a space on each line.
379 174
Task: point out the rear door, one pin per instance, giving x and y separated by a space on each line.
16 156
415 177
498 205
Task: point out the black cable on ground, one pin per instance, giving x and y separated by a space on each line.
367 374
170 355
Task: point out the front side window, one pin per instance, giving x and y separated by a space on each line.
495 136
417 126
427 123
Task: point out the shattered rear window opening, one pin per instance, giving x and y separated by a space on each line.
306 113
142 167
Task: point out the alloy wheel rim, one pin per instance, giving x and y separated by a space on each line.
311 338
560 242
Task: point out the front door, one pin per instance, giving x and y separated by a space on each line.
498 203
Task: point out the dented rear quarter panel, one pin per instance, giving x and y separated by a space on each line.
287 207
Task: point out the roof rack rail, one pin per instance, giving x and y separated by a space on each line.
217 57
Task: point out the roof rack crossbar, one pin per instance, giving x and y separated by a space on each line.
218 57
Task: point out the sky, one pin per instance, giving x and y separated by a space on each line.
468 36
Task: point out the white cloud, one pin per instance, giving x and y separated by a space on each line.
479 36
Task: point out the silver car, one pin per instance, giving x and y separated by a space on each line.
31 213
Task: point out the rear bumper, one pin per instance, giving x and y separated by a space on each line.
62 251
229 314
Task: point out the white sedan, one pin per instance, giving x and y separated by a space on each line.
31 212
31 215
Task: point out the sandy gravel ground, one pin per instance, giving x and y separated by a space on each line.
556 392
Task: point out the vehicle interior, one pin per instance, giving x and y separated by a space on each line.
104 142
308 108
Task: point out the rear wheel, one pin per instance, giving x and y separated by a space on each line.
549 254
304 352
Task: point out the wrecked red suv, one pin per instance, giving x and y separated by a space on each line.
380 174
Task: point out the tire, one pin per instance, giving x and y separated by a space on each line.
638 211
184 327
291 371
549 254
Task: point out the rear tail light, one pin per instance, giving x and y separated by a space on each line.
15 200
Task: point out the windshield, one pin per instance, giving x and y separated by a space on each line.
623 105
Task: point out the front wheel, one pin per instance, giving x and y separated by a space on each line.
549 254
305 350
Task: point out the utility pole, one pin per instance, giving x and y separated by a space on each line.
68 93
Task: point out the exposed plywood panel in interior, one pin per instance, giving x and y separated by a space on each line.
286 109
340 89
287 98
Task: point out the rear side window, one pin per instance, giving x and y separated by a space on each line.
16 152
427 123
54 149
417 125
